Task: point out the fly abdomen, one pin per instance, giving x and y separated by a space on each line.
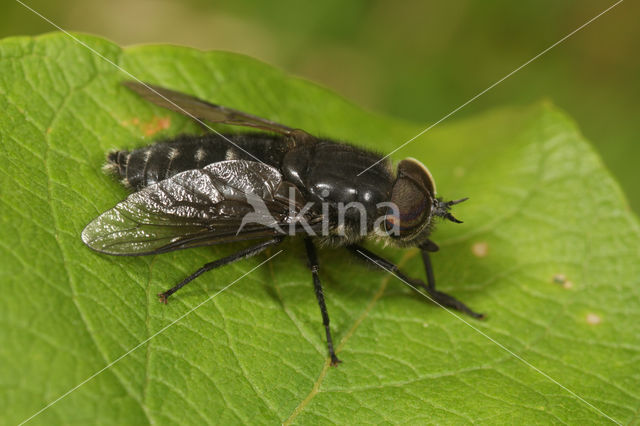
143 166
148 165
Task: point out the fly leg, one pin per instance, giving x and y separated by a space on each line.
242 254
438 297
443 298
313 265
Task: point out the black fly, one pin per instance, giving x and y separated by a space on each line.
213 189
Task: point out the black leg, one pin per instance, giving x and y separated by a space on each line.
242 254
313 265
431 279
438 296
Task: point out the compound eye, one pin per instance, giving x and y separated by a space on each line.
413 209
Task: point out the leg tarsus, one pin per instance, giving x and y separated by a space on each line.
438 297
334 360
449 301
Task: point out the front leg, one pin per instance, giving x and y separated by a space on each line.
313 265
438 297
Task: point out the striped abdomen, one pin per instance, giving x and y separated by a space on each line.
153 163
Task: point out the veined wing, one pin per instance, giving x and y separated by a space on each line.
194 208
203 110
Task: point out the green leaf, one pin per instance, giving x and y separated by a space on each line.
549 251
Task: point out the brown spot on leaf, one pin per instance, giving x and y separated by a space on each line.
593 319
149 128
480 249
561 279
156 125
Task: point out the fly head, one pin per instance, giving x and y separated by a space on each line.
415 205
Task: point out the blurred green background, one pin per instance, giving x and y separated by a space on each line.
416 60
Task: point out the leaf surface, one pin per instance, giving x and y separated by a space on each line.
549 251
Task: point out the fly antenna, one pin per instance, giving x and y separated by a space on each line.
442 209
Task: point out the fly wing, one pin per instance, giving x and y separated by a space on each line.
222 202
197 108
